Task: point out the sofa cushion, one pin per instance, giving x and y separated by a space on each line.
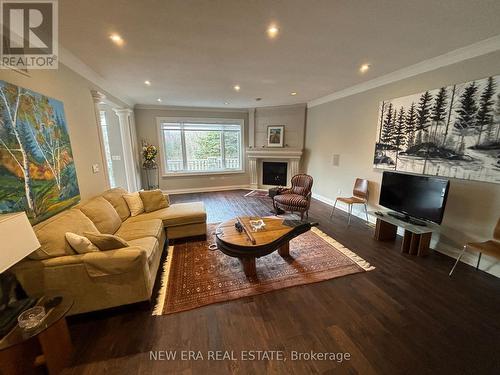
115 197
148 244
102 214
153 200
80 244
51 233
176 214
131 230
134 203
106 241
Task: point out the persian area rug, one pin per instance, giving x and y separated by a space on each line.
194 276
257 194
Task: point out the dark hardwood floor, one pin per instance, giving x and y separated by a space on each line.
405 317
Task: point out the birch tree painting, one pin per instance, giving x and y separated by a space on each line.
37 172
451 131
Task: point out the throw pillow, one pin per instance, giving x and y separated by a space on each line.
134 203
106 241
153 200
80 244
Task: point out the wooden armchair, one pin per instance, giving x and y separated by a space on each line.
298 197
491 247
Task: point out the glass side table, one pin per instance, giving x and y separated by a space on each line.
49 344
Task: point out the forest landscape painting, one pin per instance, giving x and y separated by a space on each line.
451 131
37 172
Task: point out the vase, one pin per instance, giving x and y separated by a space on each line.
149 164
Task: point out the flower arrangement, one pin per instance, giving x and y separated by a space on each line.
149 153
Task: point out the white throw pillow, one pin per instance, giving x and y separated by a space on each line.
134 203
80 244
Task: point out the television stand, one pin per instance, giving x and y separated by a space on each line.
416 238
407 219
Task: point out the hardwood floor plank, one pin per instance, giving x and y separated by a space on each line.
407 316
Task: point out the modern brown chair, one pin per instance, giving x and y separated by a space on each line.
491 247
297 198
359 196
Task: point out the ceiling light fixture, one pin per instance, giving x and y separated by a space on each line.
272 31
158 100
117 39
147 83
364 68
226 103
237 87
293 93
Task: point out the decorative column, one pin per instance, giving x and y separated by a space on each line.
98 98
128 149
254 179
294 167
251 127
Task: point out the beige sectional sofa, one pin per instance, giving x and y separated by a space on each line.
103 279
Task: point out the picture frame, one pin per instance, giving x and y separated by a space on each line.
275 135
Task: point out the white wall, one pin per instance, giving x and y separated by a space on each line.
74 91
293 117
347 126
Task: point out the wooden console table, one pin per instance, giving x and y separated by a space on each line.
416 238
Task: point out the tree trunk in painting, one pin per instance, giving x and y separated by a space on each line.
449 115
484 114
12 98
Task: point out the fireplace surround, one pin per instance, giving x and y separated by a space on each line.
256 158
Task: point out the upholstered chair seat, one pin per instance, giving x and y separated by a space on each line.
298 197
295 200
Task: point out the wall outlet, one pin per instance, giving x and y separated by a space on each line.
95 168
336 160
116 157
339 192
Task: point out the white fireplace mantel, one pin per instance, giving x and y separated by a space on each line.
291 155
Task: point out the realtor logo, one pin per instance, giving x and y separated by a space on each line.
29 34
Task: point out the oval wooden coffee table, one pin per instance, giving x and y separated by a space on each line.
248 244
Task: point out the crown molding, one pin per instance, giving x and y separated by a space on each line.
464 53
190 109
78 66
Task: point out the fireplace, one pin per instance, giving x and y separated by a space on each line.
274 173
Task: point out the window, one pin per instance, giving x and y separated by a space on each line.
201 145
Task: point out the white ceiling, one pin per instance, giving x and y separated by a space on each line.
194 52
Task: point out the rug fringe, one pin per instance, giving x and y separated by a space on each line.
160 299
344 250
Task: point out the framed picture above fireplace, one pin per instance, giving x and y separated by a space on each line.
275 135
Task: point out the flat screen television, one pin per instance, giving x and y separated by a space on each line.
419 197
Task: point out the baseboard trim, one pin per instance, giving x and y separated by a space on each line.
357 211
207 189
488 264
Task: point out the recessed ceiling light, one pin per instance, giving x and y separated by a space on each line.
293 93
272 31
364 68
226 103
117 39
147 83
158 100
237 87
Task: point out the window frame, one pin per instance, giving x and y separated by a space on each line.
201 120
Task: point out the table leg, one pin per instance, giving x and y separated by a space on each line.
423 245
56 347
284 250
249 266
385 231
